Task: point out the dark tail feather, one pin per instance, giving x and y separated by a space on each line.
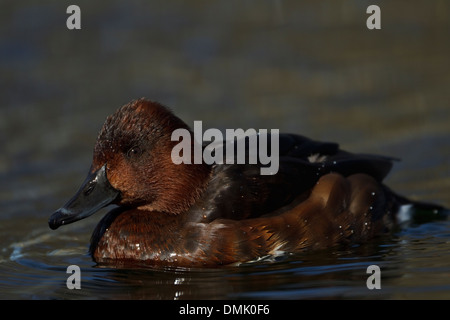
417 212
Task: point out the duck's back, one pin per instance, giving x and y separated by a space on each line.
239 191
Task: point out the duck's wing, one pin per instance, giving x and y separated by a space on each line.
239 191
327 157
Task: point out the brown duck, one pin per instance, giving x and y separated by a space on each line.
209 215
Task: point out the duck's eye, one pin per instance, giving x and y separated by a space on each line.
134 151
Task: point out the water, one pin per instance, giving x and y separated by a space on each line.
306 67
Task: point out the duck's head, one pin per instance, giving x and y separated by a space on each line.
132 166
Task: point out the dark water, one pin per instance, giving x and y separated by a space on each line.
310 67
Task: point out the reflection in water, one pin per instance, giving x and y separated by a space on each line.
407 263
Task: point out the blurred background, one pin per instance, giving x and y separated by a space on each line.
307 67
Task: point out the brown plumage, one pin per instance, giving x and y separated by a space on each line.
209 215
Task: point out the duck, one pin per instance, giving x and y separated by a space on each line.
209 215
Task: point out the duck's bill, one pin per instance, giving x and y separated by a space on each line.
95 193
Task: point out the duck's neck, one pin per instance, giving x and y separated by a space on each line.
180 188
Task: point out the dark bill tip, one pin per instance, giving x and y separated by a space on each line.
58 218
53 222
